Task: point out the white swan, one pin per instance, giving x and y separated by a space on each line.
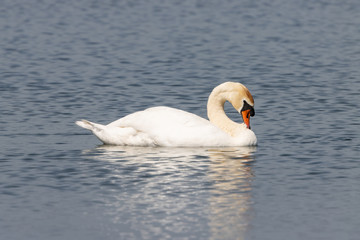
165 126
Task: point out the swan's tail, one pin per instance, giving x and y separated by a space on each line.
90 125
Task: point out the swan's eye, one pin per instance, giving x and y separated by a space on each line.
248 107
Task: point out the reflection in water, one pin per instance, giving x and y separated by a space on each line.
166 192
230 199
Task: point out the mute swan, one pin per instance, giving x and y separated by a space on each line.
165 126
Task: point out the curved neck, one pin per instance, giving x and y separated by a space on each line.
217 115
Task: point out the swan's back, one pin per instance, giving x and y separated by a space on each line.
174 127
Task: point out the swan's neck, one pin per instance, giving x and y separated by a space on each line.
217 115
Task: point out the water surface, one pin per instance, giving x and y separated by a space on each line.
100 60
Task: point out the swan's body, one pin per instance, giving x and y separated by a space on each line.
165 126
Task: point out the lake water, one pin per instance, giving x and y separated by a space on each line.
66 60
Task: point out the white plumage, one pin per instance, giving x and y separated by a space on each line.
165 126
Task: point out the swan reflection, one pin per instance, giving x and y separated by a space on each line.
185 191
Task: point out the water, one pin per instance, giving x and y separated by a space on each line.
100 60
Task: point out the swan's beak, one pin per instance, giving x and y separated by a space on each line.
246 117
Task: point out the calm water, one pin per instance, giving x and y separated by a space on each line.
100 60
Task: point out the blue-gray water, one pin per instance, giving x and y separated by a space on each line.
61 61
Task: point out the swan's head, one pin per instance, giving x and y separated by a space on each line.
239 96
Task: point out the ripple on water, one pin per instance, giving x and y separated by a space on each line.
100 61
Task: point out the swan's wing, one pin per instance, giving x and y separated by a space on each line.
173 127
160 117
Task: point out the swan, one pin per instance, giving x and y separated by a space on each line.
170 127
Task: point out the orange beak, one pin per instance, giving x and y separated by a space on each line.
246 117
